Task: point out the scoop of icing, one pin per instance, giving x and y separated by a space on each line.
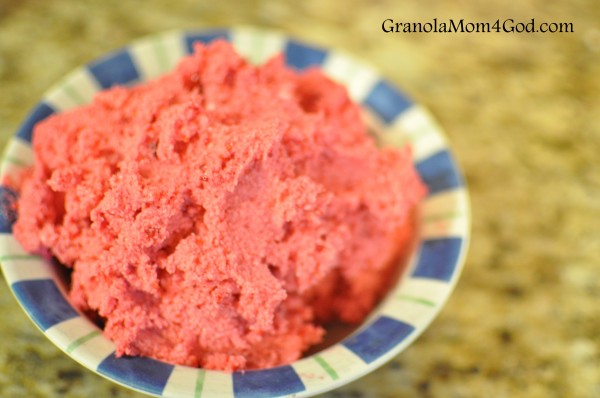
216 216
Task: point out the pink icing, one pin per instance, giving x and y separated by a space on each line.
215 216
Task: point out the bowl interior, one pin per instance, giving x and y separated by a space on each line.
425 284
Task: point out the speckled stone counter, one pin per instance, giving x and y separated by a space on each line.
522 114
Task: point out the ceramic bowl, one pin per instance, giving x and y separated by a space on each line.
422 289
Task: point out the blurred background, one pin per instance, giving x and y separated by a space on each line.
522 113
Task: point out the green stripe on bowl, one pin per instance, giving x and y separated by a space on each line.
9 257
73 94
161 54
199 383
326 366
15 161
443 216
82 340
414 299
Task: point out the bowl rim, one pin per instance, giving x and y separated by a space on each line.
425 284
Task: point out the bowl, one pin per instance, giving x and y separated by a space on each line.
424 286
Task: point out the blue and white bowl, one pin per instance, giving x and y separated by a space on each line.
407 310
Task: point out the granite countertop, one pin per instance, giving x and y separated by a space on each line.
522 114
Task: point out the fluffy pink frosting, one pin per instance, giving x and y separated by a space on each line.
216 216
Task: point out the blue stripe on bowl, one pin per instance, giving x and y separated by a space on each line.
8 209
39 113
274 382
117 68
301 56
378 338
43 302
386 101
205 37
438 258
141 373
439 172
